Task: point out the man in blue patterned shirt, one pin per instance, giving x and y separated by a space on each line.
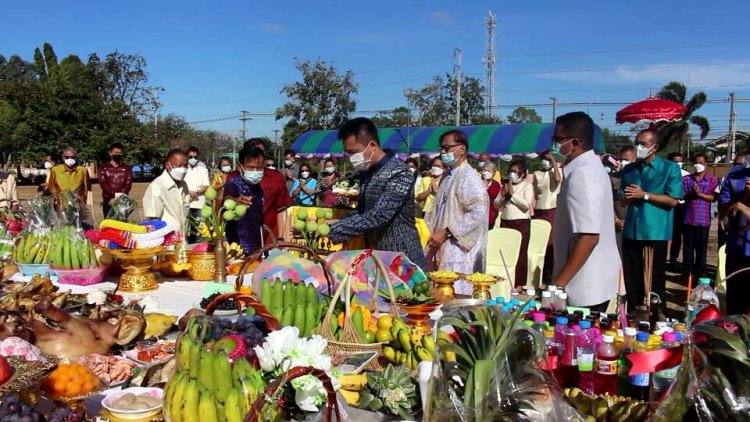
385 208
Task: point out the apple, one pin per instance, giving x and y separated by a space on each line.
5 371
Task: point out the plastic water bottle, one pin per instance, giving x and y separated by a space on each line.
663 379
702 296
562 301
550 362
605 375
561 326
623 364
640 384
585 350
569 358
547 304
539 322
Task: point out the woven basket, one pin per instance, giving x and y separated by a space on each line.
271 323
274 391
350 340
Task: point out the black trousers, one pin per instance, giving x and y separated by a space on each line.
738 287
632 268
696 246
106 207
677 236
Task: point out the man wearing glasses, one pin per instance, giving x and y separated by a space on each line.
458 220
385 208
69 176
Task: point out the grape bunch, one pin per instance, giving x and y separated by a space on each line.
218 328
12 409
252 329
63 413
227 305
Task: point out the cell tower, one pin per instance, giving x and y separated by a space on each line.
489 63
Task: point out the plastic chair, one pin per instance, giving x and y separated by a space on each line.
540 231
503 247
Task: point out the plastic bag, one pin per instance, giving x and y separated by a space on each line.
32 244
486 369
7 244
122 209
713 382
71 250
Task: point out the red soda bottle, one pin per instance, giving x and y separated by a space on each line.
605 376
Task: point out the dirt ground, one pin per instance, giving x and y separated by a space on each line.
676 284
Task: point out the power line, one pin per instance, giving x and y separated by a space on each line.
617 51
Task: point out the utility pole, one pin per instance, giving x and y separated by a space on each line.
457 55
554 108
276 146
732 131
489 62
244 118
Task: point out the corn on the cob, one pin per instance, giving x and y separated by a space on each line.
120 225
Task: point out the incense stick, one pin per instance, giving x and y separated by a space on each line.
648 261
689 287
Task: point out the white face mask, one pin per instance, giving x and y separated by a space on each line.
514 177
642 152
487 175
624 163
700 168
436 171
253 176
288 163
330 170
747 164
178 173
226 169
480 164
679 164
305 174
47 165
359 162
608 169
546 164
70 162
412 170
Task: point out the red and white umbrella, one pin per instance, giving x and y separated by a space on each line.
651 110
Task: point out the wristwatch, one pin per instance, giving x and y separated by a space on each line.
645 196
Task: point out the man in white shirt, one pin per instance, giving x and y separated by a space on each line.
197 183
167 197
587 263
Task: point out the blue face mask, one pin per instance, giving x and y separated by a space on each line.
253 176
193 161
448 158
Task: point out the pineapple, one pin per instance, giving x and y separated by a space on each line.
390 391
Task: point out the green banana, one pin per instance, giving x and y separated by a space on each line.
233 406
175 405
423 354
287 317
241 371
289 295
74 257
310 320
92 255
312 295
20 248
359 324
190 401
183 352
222 376
265 293
207 406
403 338
195 358
299 319
205 374
66 254
277 298
30 240
429 344
83 253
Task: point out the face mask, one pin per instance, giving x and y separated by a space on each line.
305 174
178 173
700 168
288 163
70 162
192 161
556 146
359 162
546 164
253 176
226 169
412 170
608 169
481 164
747 164
448 158
624 163
487 175
514 177
330 170
680 164
642 152
117 157
47 165
437 171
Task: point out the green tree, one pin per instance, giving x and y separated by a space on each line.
524 115
676 133
398 117
613 141
323 99
438 101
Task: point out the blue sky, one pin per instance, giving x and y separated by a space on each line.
217 58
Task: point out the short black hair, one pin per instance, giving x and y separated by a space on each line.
413 161
172 153
578 125
435 158
362 128
249 151
521 163
288 152
329 160
627 148
256 142
193 149
116 145
224 158
458 136
673 155
700 154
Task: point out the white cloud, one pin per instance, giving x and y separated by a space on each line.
717 73
441 17
273 27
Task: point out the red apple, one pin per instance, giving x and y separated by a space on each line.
5 371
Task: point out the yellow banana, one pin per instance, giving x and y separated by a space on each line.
429 344
233 406
403 338
222 374
351 397
175 404
190 401
423 354
206 371
353 382
207 407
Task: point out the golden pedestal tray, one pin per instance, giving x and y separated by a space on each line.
137 262
418 317
444 286
481 287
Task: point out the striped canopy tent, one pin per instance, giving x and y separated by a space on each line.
523 138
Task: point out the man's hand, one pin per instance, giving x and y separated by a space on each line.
288 174
112 201
619 224
437 239
696 189
549 156
738 208
193 194
245 200
634 192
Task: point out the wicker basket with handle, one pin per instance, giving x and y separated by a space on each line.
274 391
350 340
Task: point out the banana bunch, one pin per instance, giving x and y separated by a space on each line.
33 248
70 250
408 348
234 251
351 387
597 408
207 386
293 304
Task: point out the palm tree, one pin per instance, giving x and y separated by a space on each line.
677 131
